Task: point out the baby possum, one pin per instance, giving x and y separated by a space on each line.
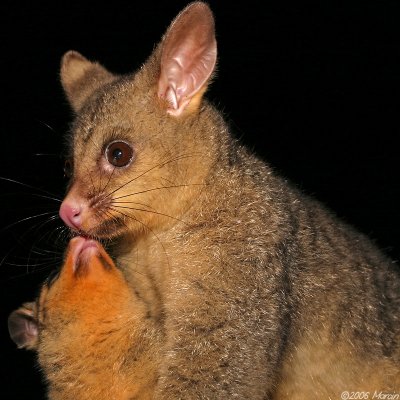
85 327
258 290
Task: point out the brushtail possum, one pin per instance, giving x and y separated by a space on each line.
258 290
86 327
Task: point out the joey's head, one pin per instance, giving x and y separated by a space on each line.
73 301
88 286
82 325
140 144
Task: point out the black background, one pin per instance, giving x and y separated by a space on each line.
311 87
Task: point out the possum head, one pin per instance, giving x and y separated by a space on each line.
136 138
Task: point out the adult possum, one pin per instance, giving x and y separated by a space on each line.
258 290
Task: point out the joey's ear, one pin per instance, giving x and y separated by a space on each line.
81 77
188 57
23 327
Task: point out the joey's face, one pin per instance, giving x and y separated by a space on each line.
84 286
73 300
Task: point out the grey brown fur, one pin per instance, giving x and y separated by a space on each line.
260 292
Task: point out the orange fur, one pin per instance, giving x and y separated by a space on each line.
91 342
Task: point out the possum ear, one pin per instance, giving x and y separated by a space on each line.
188 57
81 77
23 327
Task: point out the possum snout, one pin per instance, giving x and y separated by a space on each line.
71 211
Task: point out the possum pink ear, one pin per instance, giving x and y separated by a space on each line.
81 77
22 327
188 57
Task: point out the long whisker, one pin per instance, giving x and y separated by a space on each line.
104 212
109 178
26 185
46 197
28 263
149 211
133 202
159 165
134 218
146 227
47 233
32 230
63 234
42 196
37 227
158 188
38 270
44 252
32 264
91 181
26 219
46 125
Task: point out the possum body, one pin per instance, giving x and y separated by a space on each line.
258 290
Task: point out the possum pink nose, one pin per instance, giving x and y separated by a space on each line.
71 214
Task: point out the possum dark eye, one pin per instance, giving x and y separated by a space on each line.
119 154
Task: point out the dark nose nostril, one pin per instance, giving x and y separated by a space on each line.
76 213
